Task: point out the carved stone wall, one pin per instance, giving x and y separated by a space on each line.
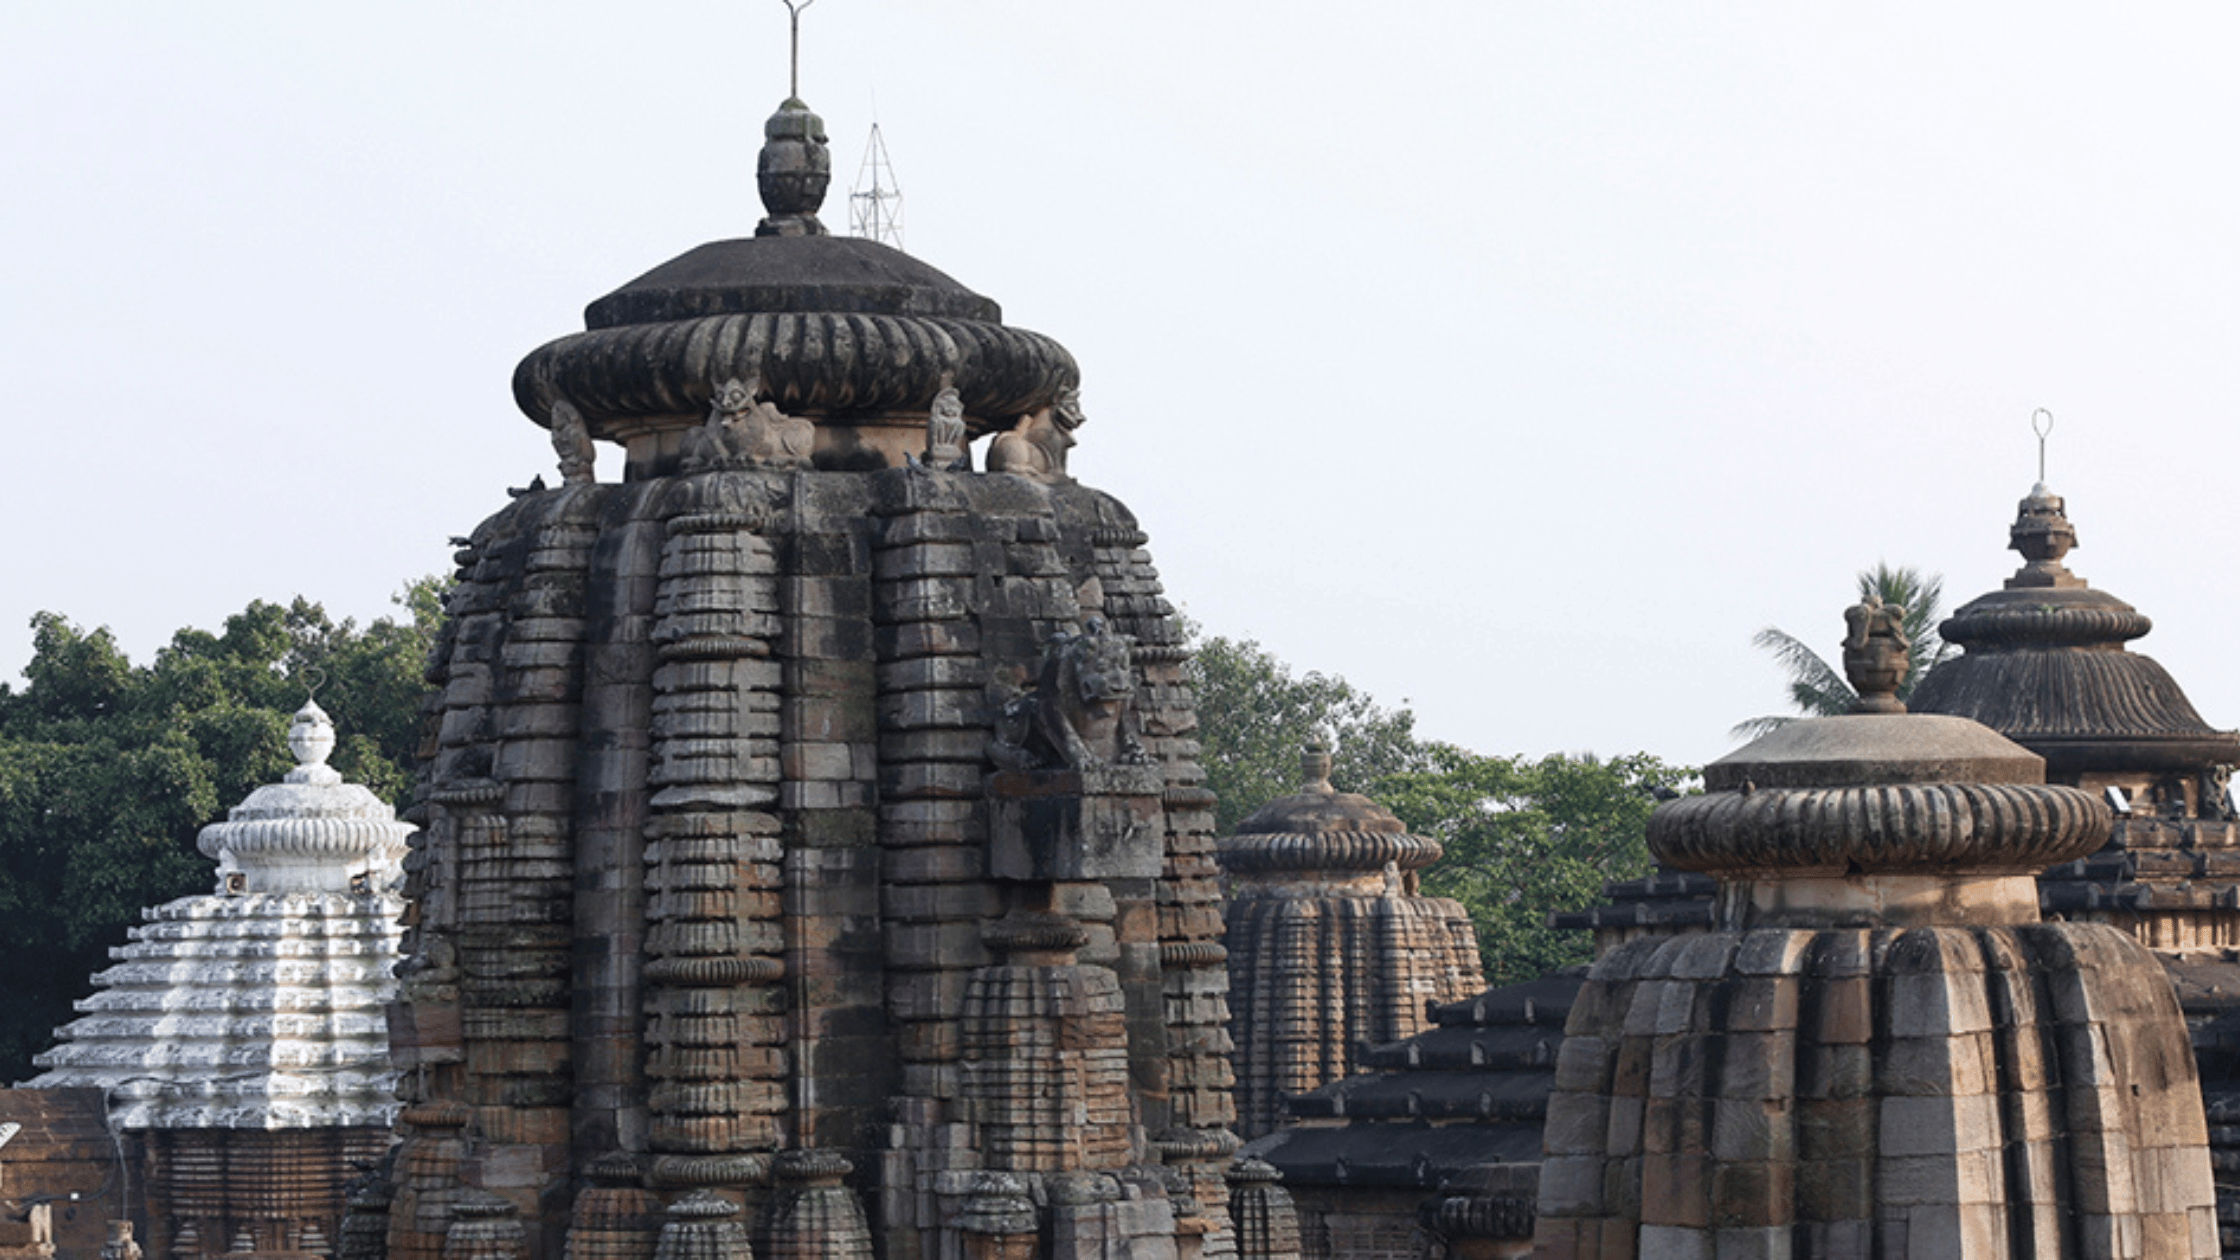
770 737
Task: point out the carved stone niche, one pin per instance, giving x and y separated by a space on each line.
1075 797
1096 822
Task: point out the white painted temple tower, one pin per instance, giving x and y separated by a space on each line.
241 1035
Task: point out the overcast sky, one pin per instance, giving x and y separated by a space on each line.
1513 361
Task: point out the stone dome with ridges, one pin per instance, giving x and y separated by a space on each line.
312 832
831 327
2045 665
1321 828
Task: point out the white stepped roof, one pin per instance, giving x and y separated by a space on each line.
260 1006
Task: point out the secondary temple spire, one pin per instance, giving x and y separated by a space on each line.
242 1033
1879 1048
1331 947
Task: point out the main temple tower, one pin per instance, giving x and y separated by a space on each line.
815 851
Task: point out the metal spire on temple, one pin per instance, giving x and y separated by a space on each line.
793 82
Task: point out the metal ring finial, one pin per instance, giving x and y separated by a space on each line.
2041 423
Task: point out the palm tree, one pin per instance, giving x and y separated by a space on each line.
1819 689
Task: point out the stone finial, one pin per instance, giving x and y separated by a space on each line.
1875 654
1314 767
311 739
2043 534
999 1221
793 171
703 1225
484 1227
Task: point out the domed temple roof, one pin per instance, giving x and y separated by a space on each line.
1319 828
259 1006
2045 665
849 333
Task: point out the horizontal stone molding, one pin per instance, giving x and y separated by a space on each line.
812 364
1888 828
1331 850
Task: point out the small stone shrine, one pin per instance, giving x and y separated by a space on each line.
816 857
1332 948
241 1037
1880 1049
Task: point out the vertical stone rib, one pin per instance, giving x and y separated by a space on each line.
715 1036
828 752
1195 1136
931 828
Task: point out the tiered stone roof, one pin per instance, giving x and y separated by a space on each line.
260 1005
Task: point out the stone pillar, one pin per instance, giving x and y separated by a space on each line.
829 752
935 895
613 744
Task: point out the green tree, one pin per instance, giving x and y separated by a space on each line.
1525 839
109 770
1255 714
1819 689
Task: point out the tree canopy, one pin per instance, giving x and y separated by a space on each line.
1523 837
108 770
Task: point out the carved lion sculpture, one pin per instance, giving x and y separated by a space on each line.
1036 446
1077 715
745 430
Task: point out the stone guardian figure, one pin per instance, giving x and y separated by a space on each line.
1036 446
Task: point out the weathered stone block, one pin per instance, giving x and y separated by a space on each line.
914 710
1075 825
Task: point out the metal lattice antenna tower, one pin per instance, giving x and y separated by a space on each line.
875 203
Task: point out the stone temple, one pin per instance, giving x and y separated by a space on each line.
1880 1048
1332 946
241 1038
815 855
